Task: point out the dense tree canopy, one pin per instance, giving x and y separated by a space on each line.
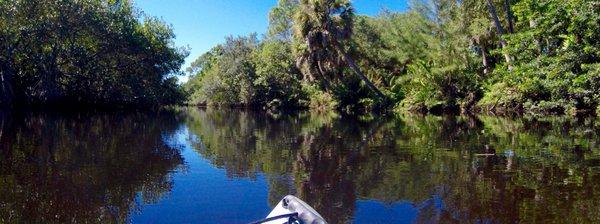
556 58
439 56
246 72
96 52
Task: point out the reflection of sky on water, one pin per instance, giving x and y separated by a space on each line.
203 193
370 211
230 167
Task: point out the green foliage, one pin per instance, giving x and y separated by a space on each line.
86 52
439 56
225 74
203 70
435 68
319 100
538 56
277 79
319 26
556 55
281 20
323 30
244 72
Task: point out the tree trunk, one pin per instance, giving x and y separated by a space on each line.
507 57
509 16
51 76
324 79
536 40
6 91
486 65
362 76
1 128
495 17
501 31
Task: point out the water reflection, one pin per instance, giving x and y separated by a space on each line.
449 169
84 167
217 166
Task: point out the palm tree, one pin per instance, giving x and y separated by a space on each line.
322 25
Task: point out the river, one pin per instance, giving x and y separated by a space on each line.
232 166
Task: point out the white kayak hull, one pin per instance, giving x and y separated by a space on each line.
290 205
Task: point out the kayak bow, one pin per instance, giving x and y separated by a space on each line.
292 210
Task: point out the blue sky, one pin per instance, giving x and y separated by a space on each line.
202 24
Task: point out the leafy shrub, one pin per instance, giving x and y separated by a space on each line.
318 99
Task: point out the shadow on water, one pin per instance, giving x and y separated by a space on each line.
83 167
448 169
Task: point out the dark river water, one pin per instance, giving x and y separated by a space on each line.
230 166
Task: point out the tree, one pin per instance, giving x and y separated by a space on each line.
439 56
500 29
509 16
7 41
225 75
89 52
281 20
278 81
322 26
555 66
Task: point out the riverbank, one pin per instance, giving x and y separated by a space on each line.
100 53
494 111
459 58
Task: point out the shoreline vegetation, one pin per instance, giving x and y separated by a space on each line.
440 56
499 57
89 53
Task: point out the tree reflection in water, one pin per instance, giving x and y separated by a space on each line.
451 169
101 167
83 168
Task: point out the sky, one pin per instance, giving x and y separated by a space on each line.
202 24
